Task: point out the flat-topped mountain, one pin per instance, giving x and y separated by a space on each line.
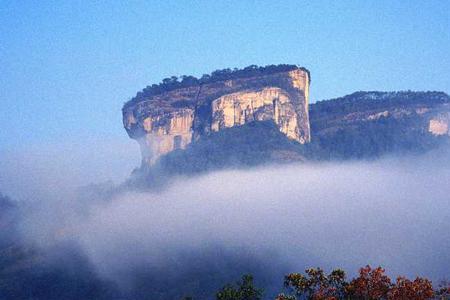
173 114
262 114
369 124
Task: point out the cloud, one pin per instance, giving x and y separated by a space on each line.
270 220
342 214
54 170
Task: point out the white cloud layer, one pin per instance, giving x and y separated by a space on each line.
393 212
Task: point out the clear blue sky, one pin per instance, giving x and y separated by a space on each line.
68 66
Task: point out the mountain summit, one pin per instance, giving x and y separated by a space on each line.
262 114
173 114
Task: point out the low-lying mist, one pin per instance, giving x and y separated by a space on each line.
204 230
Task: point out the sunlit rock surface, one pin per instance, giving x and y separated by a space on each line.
213 119
370 124
440 124
267 104
171 120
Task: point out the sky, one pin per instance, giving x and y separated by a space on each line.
67 67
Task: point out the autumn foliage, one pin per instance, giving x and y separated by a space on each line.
315 284
418 289
371 284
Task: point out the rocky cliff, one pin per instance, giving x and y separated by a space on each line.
369 124
235 118
363 125
173 114
440 124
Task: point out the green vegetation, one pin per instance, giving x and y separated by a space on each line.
367 140
338 134
315 284
174 82
334 136
366 101
246 145
245 290
252 144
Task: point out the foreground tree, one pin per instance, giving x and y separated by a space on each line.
443 291
371 284
419 289
285 297
245 290
315 285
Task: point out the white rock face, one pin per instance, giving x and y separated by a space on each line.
270 103
440 125
172 120
165 133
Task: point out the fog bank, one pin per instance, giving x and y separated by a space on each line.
271 220
389 213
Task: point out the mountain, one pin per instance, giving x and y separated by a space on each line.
370 124
262 115
173 114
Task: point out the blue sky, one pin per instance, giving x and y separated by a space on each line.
68 66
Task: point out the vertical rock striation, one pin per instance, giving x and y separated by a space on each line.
172 119
267 104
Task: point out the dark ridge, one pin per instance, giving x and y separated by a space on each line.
373 100
394 96
363 100
185 81
252 144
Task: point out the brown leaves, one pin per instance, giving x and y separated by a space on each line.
419 289
371 284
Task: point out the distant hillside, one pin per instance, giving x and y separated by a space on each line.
238 147
258 115
370 124
363 125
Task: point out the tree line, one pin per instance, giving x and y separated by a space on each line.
174 82
315 284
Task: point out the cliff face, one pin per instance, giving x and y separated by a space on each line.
430 110
171 120
267 104
369 124
440 124
261 114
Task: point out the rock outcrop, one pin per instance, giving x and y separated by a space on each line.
439 125
267 104
173 118
241 117
369 124
429 109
